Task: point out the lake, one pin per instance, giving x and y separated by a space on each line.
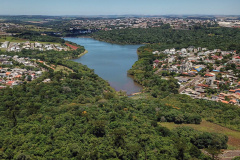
110 61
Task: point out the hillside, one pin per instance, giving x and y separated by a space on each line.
77 115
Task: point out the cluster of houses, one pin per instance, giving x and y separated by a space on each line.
195 78
5 60
17 47
15 76
137 22
199 88
12 76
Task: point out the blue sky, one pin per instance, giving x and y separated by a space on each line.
118 7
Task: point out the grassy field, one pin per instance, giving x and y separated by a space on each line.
40 29
11 39
233 136
141 96
62 68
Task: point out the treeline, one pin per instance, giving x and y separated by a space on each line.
179 117
36 36
222 38
143 73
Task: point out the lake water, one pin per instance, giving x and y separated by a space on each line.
110 61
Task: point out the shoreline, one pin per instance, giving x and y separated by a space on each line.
78 56
128 75
82 54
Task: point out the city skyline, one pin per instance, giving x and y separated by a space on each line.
124 7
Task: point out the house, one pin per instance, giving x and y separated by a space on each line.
171 59
209 75
233 101
182 79
202 54
239 83
226 102
210 78
173 50
197 69
217 57
7 63
46 80
2 75
232 90
200 90
191 48
195 50
203 85
186 66
8 73
214 98
17 77
237 90
156 61
236 59
173 69
10 83
3 87
155 52
183 50
5 44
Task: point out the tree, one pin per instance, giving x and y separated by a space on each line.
213 151
119 134
98 128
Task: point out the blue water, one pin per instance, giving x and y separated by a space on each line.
110 61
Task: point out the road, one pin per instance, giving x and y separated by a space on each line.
189 83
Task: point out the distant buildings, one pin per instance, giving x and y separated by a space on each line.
17 47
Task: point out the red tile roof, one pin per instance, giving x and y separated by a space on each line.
208 75
237 57
203 85
9 83
225 102
233 101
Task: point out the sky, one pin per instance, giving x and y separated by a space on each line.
119 7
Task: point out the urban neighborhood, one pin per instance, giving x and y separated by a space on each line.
202 73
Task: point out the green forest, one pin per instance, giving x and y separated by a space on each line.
79 116
222 38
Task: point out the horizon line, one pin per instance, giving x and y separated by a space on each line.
123 15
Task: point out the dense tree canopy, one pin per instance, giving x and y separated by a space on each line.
222 38
79 116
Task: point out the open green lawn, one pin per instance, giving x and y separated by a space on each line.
233 136
62 68
141 96
40 29
3 49
10 39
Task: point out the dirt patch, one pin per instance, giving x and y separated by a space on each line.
229 154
